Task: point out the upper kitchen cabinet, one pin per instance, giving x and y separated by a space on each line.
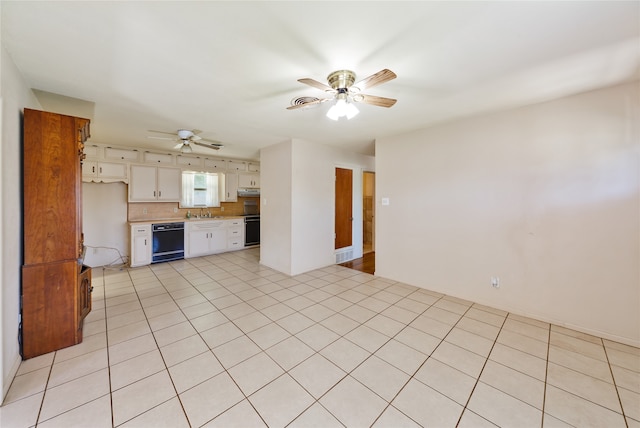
189 161
249 181
154 184
228 187
253 167
236 166
126 155
106 172
217 165
158 158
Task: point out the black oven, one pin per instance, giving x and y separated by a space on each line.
251 230
168 242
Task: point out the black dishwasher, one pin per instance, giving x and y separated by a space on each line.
168 242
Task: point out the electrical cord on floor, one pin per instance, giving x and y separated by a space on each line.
123 260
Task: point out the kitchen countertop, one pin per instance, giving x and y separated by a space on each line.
176 220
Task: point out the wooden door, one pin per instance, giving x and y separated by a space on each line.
344 209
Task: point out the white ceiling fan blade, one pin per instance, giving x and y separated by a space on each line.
177 146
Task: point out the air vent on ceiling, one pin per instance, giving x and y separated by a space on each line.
304 100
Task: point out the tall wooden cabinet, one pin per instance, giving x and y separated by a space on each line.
56 286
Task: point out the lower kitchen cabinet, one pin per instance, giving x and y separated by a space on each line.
201 238
205 237
141 244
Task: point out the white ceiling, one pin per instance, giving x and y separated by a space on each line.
231 68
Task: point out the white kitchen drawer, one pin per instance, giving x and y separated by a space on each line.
235 222
235 231
235 244
141 229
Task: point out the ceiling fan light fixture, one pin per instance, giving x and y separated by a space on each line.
186 148
184 134
342 108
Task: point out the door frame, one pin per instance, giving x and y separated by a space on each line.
356 209
373 208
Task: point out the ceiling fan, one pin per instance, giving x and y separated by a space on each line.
346 92
186 138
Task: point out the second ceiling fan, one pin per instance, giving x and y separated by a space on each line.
186 138
346 92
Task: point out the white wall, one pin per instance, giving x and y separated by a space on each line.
275 212
545 197
299 176
104 218
15 95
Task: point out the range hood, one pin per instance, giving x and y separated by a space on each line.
246 192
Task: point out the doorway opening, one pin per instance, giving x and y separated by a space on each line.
368 212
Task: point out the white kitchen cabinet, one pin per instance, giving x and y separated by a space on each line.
107 172
189 161
121 154
235 234
249 181
233 165
253 167
218 165
157 158
228 186
205 237
141 243
154 184
91 151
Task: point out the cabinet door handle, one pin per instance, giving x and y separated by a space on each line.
159 193
100 170
145 242
93 169
154 193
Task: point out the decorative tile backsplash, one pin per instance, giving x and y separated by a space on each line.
151 211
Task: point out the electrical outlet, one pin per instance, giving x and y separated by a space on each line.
495 281
144 211
221 208
175 210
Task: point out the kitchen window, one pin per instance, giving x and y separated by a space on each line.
199 189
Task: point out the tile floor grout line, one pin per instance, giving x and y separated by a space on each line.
44 392
546 374
106 336
159 351
53 362
225 369
615 386
477 380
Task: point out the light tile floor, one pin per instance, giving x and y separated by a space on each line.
221 341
